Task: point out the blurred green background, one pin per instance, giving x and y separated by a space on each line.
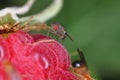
95 27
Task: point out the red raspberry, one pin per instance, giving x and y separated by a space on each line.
3 74
62 75
37 57
4 52
58 49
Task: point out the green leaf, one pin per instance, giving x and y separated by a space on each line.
6 19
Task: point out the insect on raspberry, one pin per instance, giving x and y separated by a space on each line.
80 67
81 62
59 30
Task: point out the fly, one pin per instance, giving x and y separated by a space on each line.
59 30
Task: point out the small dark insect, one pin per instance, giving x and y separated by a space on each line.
80 67
58 29
81 62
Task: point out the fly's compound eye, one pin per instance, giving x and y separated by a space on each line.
55 27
